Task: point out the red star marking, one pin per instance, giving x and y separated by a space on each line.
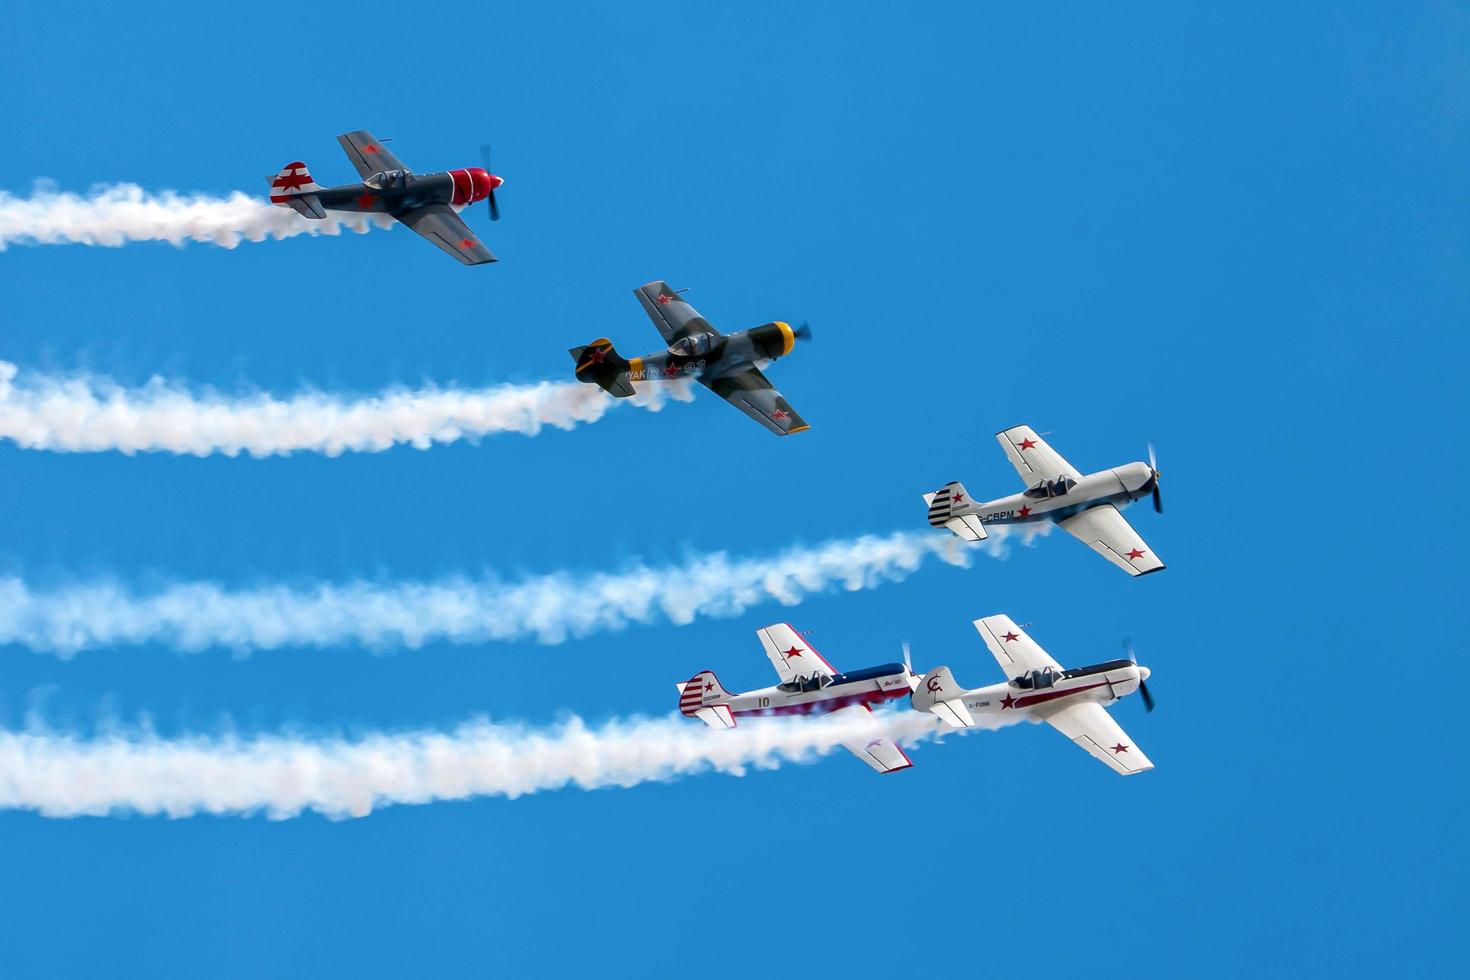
293 180
671 370
664 300
1024 511
370 148
466 243
708 686
1007 702
957 498
1120 747
1135 553
793 652
366 201
597 355
1027 444
778 414
1010 637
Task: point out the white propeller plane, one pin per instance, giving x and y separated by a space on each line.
1086 507
1036 686
809 685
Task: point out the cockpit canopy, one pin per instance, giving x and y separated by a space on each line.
1036 679
1051 488
695 345
805 685
384 179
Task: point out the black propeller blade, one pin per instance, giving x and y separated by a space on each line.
803 332
1143 692
490 200
1153 464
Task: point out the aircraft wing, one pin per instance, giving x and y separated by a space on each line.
791 654
1032 457
669 311
1016 652
1108 533
1091 727
882 753
749 391
440 225
368 154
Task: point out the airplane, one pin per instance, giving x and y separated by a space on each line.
426 203
729 365
1086 507
809 685
1036 686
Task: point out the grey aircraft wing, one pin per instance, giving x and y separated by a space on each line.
669 312
368 154
749 391
440 225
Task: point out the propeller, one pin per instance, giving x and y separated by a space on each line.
909 666
490 199
803 332
1148 699
1153 464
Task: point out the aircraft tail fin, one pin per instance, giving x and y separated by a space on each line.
599 363
946 509
293 188
940 694
703 697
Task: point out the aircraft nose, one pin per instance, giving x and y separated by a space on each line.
1143 673
495 181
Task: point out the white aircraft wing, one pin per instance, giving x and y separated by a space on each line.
790 653
1016 652
1090 726
1032 457
881 752
1108 533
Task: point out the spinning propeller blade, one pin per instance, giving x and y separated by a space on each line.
1153 464
490 200
1148 699
803 332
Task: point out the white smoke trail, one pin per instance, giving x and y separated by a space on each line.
283 776
117 214
81 413
193 616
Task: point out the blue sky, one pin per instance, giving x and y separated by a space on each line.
1238 233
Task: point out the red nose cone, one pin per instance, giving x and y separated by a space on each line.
481 183
496 181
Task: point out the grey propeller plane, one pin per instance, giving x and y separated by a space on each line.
426 203
1086 507
727 364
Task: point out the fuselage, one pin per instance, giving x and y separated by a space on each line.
870 686
397 191
1061 499
709 354
1043 692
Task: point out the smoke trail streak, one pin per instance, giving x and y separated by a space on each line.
283 776
86 414
193 616
117 214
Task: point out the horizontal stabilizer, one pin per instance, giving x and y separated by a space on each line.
968 527
953 713
308 206
716 716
